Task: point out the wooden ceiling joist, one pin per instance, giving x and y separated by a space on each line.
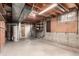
1 17
61 8
58 11
36 7
70 6
77 5
2 10
53 13
64 7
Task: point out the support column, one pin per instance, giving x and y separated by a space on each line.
78 22
15 33
78 29
27 30
19 31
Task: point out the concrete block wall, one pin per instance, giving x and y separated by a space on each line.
69 39
72 39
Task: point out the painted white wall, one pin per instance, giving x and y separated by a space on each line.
15 33
27 30
19 30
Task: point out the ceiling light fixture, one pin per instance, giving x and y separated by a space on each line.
47 9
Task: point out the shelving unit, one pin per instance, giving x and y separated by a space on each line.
38 30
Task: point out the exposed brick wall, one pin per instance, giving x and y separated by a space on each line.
62 26
2 33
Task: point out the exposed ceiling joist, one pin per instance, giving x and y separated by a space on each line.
64 7
59 12
1 17
77 5
52 6
7 7
53 13
70 6
2 10
36 7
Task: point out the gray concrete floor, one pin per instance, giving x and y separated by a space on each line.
37 48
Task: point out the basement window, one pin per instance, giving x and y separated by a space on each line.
71 16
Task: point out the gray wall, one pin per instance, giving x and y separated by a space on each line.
69 39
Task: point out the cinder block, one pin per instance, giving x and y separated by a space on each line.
72 39
63 38
54 36
67 39
77 41
48 36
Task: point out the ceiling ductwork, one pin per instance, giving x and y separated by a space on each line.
19 10
16 10
46 12
32 12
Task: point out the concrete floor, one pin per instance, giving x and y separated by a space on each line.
37 48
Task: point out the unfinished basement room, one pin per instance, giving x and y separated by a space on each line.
39 29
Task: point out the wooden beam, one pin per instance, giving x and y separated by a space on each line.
53 13
64 7
59 12
2 11
36 7
77 5
1 17
70 6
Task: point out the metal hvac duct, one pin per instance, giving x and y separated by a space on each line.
19 10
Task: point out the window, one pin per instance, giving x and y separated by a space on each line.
67 17
71 16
